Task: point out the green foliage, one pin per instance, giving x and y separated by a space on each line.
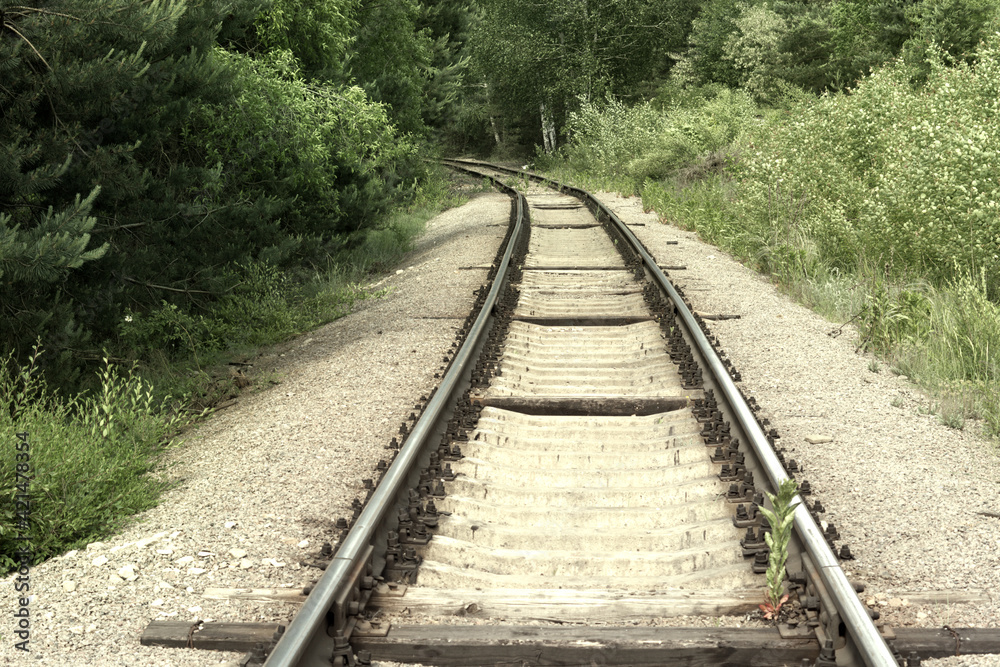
264 306
391 59
448 23
317 34
754 50
958 354
770 47
46 252
780 518
141 161
903 177
325 152
646 142
878 207
95 95
946 30
93 457
703 60
557 53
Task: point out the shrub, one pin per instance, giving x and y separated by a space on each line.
887 175
644 141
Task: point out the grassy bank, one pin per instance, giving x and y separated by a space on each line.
96 456
878 207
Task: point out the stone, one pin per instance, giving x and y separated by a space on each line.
818 439
238 553
69 586
197 570
246 564
128 573
95 546
230 524
146 541
183 560
76 629
100 560
303 544
158 602
115 579
895 602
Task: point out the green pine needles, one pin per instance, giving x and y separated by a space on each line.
56 244
780 518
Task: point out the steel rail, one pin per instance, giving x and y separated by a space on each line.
311 617
873 648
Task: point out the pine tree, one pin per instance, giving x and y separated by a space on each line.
94 94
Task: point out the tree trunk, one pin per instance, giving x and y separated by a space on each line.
496 133
548 130
545 125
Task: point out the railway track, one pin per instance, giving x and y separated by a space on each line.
587 460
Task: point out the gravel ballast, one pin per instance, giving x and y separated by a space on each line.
264 481
269 475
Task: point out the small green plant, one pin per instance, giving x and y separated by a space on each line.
873 366
94 458
897 402
780 518
951 413
955 420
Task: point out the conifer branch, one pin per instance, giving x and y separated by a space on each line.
10 26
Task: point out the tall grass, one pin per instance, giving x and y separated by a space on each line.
94 457
881 206
958 356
